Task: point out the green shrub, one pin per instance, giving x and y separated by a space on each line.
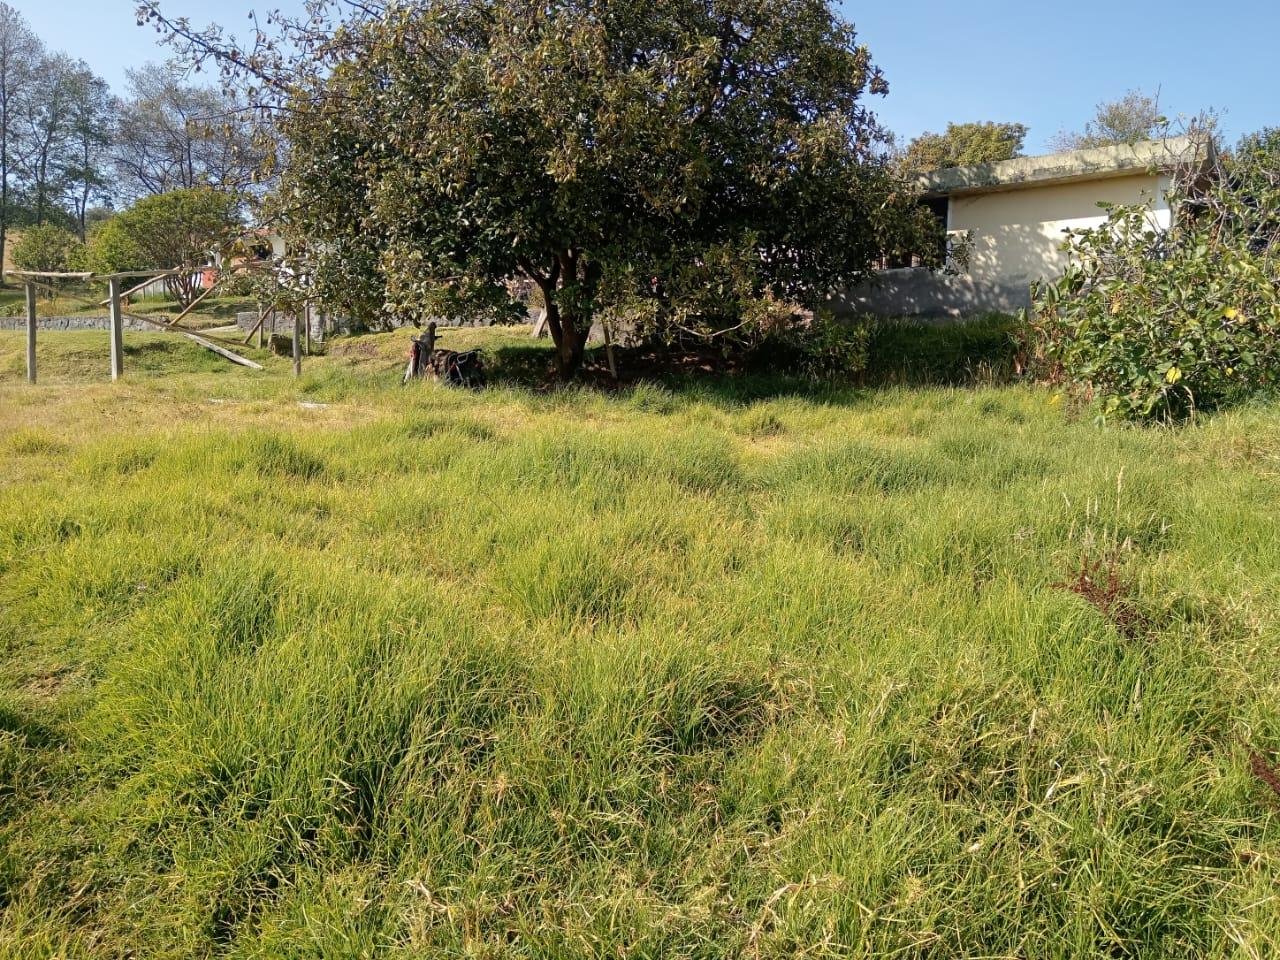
827 351
1152 338
178 229
1153 324
45 248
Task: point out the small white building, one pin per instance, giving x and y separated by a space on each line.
1014 214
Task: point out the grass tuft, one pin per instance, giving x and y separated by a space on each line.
271 455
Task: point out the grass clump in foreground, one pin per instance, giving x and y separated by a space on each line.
689 672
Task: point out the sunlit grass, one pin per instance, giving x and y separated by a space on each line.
333 667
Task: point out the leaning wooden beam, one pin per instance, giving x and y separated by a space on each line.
223 352
162 324
191 306
262 316
196 338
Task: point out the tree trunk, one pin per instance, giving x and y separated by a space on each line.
570 350
84 189
4 167
42 183
568 329
568 336
183 287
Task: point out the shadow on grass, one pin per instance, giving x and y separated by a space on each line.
980 352
170 354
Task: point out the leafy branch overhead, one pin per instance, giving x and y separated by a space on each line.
681 167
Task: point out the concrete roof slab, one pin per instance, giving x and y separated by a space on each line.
1098 163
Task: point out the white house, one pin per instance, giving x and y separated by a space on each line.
1014 214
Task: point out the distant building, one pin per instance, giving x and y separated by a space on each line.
1014 214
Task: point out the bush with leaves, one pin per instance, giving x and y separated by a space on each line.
828 351
964 144
45 248
1156 324
181 229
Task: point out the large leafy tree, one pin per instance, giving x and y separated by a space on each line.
86 153
46 132
683 163
20 54
1133 118
963 144
182 230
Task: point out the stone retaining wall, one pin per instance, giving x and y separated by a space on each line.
70 323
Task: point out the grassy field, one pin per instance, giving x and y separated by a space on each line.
335 668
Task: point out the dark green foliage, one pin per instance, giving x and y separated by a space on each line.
687 166
826 352
963 144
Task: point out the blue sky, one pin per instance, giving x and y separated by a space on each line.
1043 64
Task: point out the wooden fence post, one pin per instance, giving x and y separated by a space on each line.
297 341
31 332
117 330
306 320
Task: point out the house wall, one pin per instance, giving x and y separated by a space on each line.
1016 236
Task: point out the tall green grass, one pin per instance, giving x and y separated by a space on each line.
664 673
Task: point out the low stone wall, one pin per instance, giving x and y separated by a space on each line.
70 323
